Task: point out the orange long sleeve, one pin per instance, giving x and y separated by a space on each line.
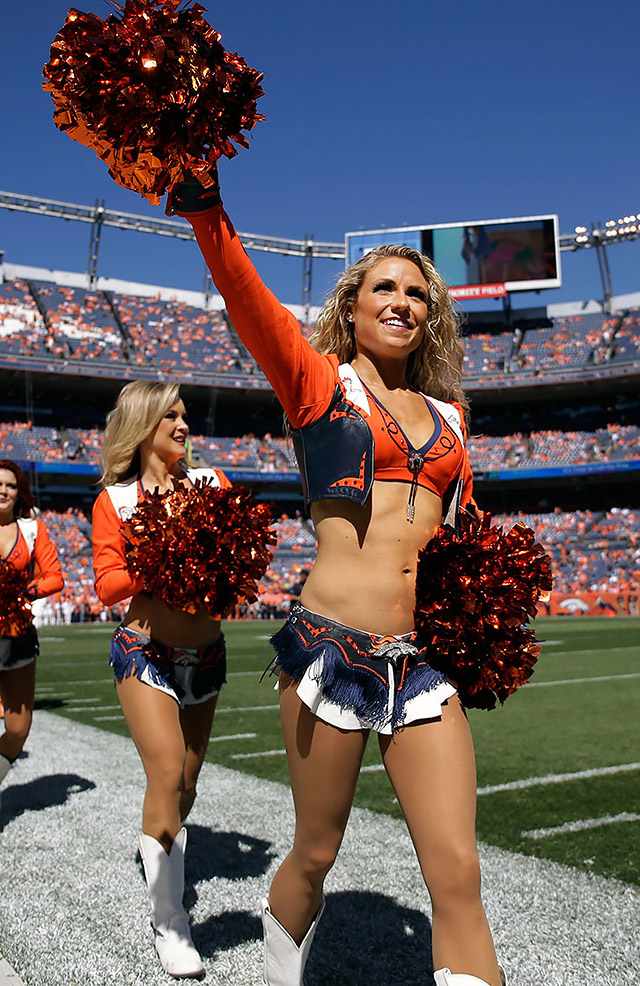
113 580
50 578
304 380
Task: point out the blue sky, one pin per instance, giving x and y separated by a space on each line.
378 114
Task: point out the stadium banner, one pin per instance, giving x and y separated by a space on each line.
479 291
605 603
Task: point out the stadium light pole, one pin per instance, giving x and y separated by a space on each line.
603 267
94 243
307 275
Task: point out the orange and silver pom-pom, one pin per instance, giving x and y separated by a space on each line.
152 91
15 604
200 548
476 589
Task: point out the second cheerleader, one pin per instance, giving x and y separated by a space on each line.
169 665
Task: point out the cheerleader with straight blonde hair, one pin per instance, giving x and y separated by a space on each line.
377 416
169 665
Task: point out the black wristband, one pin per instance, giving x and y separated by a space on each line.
190 196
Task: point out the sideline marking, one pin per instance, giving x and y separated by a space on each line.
559 778
581 825
234 736
538 781
260 753
74 664
107 718
89 681
580 681
248 708
95 708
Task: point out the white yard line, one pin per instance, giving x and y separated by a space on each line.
575 775
538 781
71 664
587 650
233 736
580 826
91 681
581 681
95 708
248 708
259 753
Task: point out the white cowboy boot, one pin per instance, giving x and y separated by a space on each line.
5 767
284 961
165 879
444 977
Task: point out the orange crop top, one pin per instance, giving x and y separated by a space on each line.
47 574
114 505
327 404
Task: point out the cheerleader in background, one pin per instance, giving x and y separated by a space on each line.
169 665
25 544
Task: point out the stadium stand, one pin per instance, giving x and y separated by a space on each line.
170 337
168 334
48 323
591 550
269 454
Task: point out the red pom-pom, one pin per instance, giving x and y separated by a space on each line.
15 605
152 92
200 548
475 591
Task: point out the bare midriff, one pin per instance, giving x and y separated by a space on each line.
365 572
173 627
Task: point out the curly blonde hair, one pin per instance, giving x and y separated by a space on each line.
435 367
140 407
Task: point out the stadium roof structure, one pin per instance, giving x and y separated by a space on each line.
598 236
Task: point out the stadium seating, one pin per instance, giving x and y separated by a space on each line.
171 337
80 324
538 449
591 550
170 334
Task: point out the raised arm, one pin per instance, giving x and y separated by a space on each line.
304 381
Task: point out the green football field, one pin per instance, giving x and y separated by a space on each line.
558 764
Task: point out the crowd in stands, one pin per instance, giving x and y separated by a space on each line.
62 323
74 325
591 551
170 334
22 328
559 344
271 454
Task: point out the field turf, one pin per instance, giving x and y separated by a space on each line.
578 716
